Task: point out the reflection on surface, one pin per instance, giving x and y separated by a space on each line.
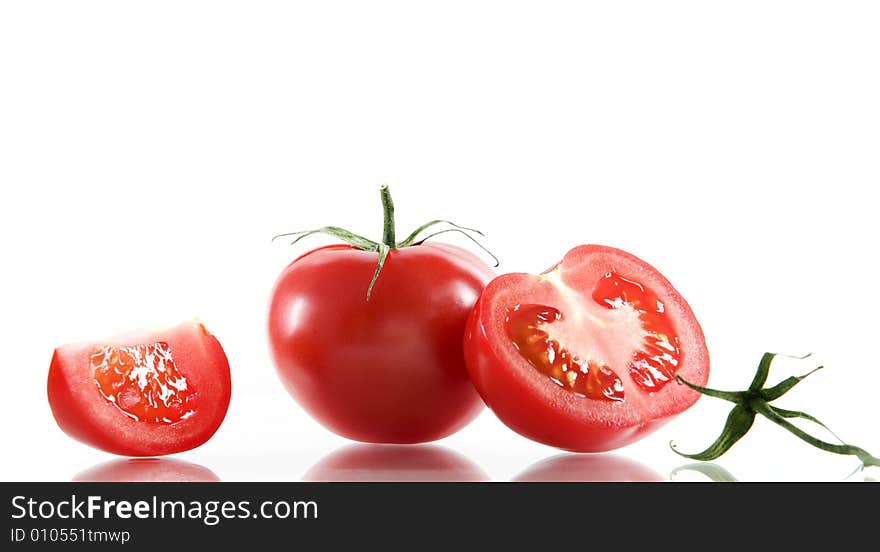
573 467
713 471
867 474
148 470
716 473
394 463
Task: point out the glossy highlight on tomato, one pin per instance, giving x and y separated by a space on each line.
143 394
583 356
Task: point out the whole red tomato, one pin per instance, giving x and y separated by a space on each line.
367 337
584 356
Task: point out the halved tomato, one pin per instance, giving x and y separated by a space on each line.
144 394
583 356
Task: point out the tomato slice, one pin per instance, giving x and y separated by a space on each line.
583 356
145 394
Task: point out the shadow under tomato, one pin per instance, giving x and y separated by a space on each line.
147 470
377 463
572 467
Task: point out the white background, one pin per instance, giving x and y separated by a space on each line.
148 151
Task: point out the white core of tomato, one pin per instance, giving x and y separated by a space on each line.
591 331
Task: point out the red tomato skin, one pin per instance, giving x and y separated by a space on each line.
387 370
533 406
84 414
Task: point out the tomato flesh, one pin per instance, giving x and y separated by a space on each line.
143 382
652 366
587 377
655 364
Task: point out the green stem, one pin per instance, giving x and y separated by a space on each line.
756 400
863 455
388 237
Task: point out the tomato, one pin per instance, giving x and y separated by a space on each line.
583 356
143 394
378 362
375 463
387 370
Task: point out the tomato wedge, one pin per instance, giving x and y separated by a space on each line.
143 394
583 356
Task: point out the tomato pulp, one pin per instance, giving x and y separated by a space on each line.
146 394
367 337
583 356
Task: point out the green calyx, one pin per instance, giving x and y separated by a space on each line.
756 400
388 242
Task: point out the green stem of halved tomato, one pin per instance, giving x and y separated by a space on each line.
756 400
388 236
